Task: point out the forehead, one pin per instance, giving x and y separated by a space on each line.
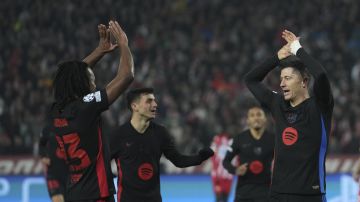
287 71
147 96
255 110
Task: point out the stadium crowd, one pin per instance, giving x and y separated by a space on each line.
194 53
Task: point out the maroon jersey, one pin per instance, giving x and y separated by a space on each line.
78 132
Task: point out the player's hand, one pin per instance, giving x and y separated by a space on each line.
205 153
289 36
45 161
118 33
105 45
284 52
242 169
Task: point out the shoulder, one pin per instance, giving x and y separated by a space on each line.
158 127
121 130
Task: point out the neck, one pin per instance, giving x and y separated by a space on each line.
139 123
257 133
299 99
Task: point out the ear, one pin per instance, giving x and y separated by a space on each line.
304 82
133 106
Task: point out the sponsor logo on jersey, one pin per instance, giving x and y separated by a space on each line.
145 171
290 136
256 167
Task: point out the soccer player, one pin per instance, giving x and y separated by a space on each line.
54 163
255 149
137 147
76 117
221 178
302 121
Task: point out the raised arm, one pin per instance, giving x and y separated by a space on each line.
105 46
254 77
322 89
125 73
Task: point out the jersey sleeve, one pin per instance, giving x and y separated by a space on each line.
254 78
232 151
96 102
43 152
322 89
171 153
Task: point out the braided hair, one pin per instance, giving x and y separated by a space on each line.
70 83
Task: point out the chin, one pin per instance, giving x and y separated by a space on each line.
287 98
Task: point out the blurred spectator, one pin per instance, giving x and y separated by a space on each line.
194 52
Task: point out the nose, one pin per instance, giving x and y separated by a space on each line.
282 83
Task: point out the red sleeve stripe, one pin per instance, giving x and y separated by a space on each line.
120 188
100 170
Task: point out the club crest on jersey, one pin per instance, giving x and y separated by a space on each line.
291 117
257 150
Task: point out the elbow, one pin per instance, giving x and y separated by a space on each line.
178 164
247 79
130 77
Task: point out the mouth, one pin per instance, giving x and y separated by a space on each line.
286 92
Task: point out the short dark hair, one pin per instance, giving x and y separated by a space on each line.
71 82
135 94
294 62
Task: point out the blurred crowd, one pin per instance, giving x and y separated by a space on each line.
193 52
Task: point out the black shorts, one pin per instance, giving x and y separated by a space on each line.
279 197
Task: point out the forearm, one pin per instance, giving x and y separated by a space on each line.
314 67
227 163
322 89
93 57
124 75
258 74
254 78
126 64
183 161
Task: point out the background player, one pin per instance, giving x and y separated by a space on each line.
137 147
302 121
221 178
255 149
76 117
